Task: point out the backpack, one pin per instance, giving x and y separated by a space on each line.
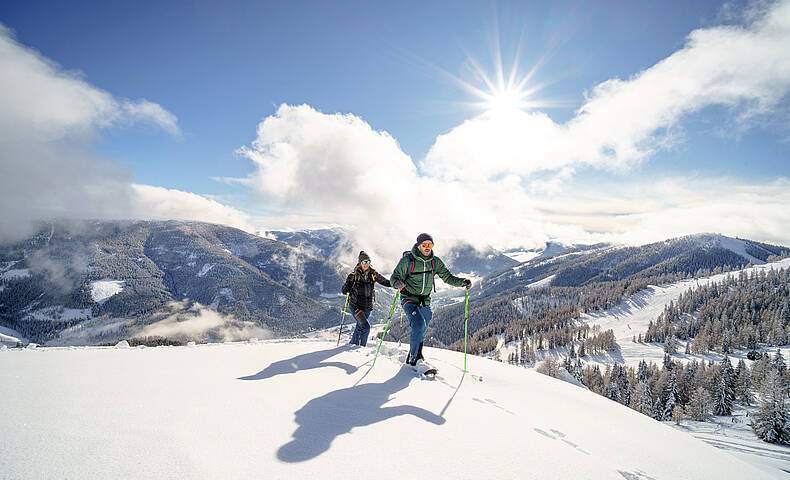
413 261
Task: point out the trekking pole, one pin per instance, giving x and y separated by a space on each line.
385 328
342 318
466 320
400 336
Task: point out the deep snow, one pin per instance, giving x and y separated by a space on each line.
306 408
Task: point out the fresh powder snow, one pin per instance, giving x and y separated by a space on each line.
308 409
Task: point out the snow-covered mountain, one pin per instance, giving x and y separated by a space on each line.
92 282
581 265
308 409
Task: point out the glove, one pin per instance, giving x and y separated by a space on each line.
397 284
466 283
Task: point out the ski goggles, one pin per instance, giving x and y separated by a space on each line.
426 244
365 262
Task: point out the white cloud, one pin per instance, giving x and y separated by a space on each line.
622 122
197 321
648 211
158 203
336 168
507 178
48 121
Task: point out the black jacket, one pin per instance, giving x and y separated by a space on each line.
360 285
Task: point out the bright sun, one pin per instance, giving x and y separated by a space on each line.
506 100
501 92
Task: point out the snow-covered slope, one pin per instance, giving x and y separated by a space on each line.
11 337
308 409
632 316
102 290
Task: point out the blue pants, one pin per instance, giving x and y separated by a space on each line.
419 318
360 335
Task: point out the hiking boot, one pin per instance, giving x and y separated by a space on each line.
419 354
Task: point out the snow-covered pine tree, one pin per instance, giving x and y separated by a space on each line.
743 384
722 398
671 344
771 421
667 361
779 362
642 374
670 396
578 370
612 392
642 399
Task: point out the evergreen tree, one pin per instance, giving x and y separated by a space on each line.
772 420
743 384
722 398
612 392
671 345
642 373
642 399
779 362
670 396
667 361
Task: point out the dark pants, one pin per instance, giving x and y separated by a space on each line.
419 318
360 335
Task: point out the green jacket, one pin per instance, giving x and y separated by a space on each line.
419 282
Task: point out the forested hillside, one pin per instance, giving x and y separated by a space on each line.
154 270
737 313
538 300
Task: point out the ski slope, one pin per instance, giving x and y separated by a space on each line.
309 409
632 316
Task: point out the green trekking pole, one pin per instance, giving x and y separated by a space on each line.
466 321
342 318
385 328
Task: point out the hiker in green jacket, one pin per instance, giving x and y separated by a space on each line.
413 276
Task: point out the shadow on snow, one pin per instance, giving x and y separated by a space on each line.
307 361
323 419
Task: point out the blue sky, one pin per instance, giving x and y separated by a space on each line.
221 68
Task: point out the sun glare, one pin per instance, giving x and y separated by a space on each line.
504 101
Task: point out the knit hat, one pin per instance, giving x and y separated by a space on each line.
424 237
363 256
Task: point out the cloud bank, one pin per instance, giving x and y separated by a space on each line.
49 119
508 178
196 321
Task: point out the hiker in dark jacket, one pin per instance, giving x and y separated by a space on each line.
359 285
414 277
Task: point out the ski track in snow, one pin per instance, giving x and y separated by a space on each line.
306 408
